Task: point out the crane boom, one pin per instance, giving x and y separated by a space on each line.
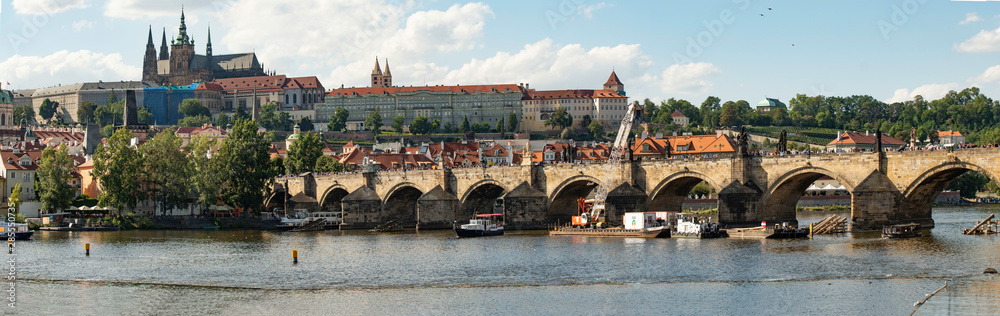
613 165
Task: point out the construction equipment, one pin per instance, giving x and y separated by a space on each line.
616 152
586 216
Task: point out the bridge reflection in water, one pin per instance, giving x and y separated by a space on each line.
886 188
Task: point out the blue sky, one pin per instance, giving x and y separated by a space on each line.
892 50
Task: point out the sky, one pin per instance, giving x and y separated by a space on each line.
732 49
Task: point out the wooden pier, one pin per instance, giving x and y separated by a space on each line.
835 224
984 227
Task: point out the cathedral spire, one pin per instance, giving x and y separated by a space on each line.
182 37
377 70
149 42
387 73
208 47
164 53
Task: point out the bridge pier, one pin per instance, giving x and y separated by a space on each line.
525 208
739 205
362 208
437 209
624 198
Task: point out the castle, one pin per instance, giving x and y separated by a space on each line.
182 66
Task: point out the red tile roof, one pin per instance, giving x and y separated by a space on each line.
11 160
949 133
209 86
613 80
865 138
692 145
677 113
572 94
452 89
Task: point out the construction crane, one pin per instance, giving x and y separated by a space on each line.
592 213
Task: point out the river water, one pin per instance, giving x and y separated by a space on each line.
431 272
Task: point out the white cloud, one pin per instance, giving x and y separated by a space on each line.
546 65
39 7
588 10
69 67
690 78
991 74
970 17
82 24
984 41
931 91
145 9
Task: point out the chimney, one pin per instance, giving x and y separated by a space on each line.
659 135
839 136
644 135
527 86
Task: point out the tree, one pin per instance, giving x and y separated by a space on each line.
144 116
52 181
420 126
596 129
969 183
566 133
109 114
397 124
328 164
512 122
241 113
306 124
242 166
268 116
85 113
25 113
302 154
585 121
710 111
465 127
194 121
374 122
223 120
48 109
500 127
435 126
561 119
166 169
118 168
203 175
193 107
283 121
112 98
339 120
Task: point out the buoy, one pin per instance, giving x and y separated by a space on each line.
990 271
87 247
295 256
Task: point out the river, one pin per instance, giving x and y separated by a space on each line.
431 272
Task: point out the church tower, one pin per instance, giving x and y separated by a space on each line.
208 46
614 84
164 52
377 76
181 49
149 61
387 76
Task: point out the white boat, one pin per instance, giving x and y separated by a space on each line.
481 225
20 230
292 221
333 219
694 227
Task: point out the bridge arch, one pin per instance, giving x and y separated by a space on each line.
920 194
562 201
481 196
670 193
331 198
400 202
783 193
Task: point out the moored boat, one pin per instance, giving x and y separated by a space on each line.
777 231
694 227
19 230
902 231
480 226
652 232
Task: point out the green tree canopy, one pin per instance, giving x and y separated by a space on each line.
306 124
166 169
374 122
223 120
204 177
420 126
302 154
328 164
193 107
119 168
596 129
85 112
194 121
25 113
339 120
48 109
397 124
512 122
52 181
465 127
560 118
243 168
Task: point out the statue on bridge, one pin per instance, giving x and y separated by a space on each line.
742 142
783 142
878 139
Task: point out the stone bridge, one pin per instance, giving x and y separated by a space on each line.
886 188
